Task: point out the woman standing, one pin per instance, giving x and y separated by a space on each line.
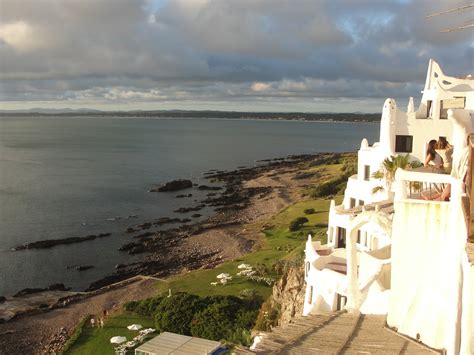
445 150
433 159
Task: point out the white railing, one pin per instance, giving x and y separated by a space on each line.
412 184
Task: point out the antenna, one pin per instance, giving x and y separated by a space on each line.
458 9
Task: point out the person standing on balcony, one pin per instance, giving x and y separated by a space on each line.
433 159
445 150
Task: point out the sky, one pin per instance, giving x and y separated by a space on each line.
239 55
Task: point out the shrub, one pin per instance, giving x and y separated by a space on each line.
174 314
219 319
131 306
321 225
307 175
297 223
268 316
309 211
146 307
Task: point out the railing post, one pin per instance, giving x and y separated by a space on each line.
400 187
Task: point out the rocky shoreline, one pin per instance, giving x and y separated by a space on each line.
161 249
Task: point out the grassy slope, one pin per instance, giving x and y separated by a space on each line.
97 340
278 244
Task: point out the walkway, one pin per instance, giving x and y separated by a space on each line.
337 333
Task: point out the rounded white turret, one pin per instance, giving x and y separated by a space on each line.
387 126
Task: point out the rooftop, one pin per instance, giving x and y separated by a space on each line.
176 344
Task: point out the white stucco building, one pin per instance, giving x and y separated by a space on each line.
394 252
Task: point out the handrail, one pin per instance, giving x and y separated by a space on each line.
410 175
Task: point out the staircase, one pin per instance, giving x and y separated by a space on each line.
336 333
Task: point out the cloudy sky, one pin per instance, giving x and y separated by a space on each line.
248 55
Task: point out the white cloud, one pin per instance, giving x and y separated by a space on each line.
260 87
19 35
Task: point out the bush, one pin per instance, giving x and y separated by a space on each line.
297 223
331 187
307 175
309 211
131 306
268 316
146 307
174 314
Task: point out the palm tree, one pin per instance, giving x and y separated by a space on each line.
389 168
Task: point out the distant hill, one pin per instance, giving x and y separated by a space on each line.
301 116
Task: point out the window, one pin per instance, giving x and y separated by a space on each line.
310 298
366 172
403 144
429 105
352 203
340 302
358 236
361 202
341 237
443 112
307 268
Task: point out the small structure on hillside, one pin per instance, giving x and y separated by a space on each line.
171 343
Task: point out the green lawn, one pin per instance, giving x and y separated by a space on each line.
97 340
279 244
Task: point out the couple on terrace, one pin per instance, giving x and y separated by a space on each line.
439 155
459 171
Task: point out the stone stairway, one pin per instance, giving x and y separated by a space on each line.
336 333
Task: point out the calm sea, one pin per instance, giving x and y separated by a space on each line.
64 176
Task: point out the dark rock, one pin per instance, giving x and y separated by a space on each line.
119 266
131 230
28 291
57 287
53 287
166 220
196 215
183 195
174 185
129 246
49 243
110 279
189 209
185 220
145 226
209 188
144 235
84 267
2 299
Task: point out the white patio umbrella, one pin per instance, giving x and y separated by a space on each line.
118 340
244 266
135 327
223 276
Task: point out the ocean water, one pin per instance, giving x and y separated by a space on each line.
73 176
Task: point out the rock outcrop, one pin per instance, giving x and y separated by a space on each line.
174 185
49 243
289 293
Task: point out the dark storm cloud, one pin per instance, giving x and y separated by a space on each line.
124 51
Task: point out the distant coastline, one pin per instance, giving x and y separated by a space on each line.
287 116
